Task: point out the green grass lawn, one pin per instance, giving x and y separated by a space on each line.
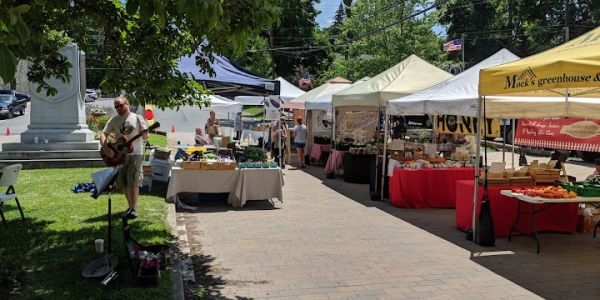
256 111
43 257
157 139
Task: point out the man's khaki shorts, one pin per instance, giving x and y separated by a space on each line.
131 174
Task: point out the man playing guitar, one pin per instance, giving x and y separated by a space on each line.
127 124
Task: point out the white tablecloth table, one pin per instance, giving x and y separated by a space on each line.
241 184
201 181
257 184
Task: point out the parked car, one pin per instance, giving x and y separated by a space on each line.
20 96
90 95
9 105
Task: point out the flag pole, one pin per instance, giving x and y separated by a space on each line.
462 47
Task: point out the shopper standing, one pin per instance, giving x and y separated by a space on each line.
300 141
278 137
238 125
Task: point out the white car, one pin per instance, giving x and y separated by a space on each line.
90 95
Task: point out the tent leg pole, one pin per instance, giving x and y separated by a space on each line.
513 121
504 142
333 129
384 156
476 167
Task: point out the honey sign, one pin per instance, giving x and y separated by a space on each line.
465 125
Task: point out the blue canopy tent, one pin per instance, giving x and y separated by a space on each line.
229 80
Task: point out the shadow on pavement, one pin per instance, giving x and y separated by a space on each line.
566 267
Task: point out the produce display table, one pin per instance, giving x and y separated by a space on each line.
356 167
316 150
200 181
533 206
427 188
561 218
257 184
242 185
334 162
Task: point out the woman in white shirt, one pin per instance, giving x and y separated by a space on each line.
300 141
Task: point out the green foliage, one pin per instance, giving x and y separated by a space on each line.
296 31
363 49
136 43
43 256
256 59
255 154
524 27
96 123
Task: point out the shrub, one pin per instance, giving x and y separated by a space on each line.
96 123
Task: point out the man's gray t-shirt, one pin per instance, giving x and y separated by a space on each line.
128 126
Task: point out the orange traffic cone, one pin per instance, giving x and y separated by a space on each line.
173 128
7 131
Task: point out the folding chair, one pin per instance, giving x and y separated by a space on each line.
9 179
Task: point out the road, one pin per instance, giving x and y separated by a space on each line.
17 124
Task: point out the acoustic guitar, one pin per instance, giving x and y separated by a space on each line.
113 154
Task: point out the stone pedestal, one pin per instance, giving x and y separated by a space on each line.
59 118
58 122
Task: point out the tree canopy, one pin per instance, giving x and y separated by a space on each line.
137 42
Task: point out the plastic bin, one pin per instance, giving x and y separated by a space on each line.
161 170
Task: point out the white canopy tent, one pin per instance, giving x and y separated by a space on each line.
324 100
328 88
287 92
458 95
187 118
409 76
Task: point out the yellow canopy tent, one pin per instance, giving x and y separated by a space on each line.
572 69
561 82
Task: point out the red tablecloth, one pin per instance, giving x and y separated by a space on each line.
427 188
558 217
334 162
317 149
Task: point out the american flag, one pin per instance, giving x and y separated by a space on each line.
454 45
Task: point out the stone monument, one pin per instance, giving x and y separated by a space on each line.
58 122
57 135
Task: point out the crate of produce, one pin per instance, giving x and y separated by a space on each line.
522 181
226 165
162 153
190 165
209 165
545 173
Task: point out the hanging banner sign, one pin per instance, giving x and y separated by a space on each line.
464 125
357 125
272 109
322 122
559 133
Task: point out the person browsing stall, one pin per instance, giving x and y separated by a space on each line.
212 125
595 177
201 139
238 125
127 124
300 141
278 137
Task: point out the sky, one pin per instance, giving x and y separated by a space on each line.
329 7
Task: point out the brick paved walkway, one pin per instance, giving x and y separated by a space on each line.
320 244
